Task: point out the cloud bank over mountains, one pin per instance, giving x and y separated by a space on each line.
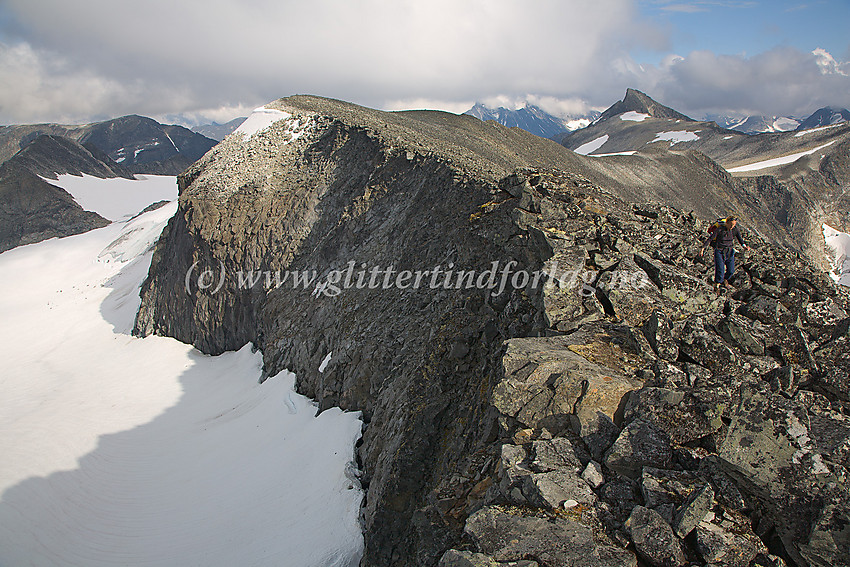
62 61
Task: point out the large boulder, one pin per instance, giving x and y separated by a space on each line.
774 455
706 348
640 444
547 384
654 541
728 540
659 333
508 534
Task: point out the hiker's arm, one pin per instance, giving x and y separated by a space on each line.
737 234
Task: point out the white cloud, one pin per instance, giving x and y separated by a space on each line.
216 60
197 54
782 81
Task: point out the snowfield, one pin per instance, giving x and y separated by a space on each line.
126 451
675 137
117 198
592 145
633 116
260 119
784 160
839 244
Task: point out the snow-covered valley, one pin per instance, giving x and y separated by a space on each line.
126 451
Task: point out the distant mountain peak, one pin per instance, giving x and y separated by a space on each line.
826 116
637 101
530 118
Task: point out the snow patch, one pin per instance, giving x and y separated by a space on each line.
675 137
117 198
119 450
325 362
577 124
818 129
591 146
784 160
629 153
261 119
839 245
633 116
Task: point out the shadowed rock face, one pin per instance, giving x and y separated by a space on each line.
34 210
483 409
136 143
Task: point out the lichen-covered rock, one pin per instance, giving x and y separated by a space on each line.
763 308
592 474
508 535
654 540
834 363
511 472
739 333
546 384
455 558
640 444
552 489
706 348
770 450
659 333
684 417
728 540
693 511
665 491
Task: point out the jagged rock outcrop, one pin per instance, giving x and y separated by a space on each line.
137 143
34 210
604 396
49 156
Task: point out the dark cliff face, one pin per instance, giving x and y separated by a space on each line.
135 143
34 210
487 412
49 156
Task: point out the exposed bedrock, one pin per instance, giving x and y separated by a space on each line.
607 407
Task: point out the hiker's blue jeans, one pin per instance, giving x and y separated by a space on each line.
724 264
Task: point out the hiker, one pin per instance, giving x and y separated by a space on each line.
722 236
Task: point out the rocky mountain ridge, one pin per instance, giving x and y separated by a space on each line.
618 409
800 173
140 144
35 210
826 116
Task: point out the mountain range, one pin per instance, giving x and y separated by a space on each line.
531 118
605 405
794 180
34 209
759 124
216 131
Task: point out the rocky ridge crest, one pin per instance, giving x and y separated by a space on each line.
620 409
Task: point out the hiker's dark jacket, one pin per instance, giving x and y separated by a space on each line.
723 237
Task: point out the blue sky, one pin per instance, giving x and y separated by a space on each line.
196 61
752 27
